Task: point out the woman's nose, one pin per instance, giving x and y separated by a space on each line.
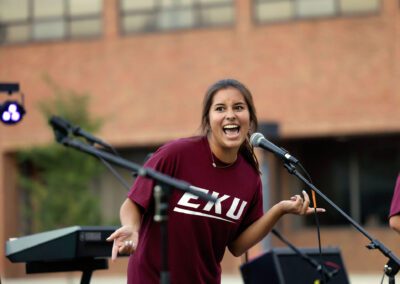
230 114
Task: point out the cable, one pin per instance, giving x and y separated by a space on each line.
115 173
314 201
108 165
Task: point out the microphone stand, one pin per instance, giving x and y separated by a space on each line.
393 265
319 267
162 190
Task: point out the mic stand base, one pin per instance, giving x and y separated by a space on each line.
391 268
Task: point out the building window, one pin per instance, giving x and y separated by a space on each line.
358 174
266 11
162 15
38 20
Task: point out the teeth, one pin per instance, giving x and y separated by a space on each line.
230 126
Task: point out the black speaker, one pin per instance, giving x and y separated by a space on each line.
284 266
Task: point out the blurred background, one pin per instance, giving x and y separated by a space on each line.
323 73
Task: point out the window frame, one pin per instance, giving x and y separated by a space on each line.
338 12
198 21
67 19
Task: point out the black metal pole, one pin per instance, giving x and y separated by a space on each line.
86 275
327 275
392 267
145 172
161 196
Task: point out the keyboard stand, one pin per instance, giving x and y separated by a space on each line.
86 265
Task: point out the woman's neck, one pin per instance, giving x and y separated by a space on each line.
225 155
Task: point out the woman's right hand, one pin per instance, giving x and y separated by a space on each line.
125 241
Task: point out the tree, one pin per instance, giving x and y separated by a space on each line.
56 180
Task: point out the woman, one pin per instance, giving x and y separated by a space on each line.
221 162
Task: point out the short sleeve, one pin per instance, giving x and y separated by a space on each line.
162 161
395 205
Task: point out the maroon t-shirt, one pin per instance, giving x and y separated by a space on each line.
198 231
395 205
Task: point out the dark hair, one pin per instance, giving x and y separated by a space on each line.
246 149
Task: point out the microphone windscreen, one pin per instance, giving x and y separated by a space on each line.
255 139
60 127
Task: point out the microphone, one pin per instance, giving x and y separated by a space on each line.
258 140
61 128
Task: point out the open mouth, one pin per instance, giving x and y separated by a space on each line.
231 129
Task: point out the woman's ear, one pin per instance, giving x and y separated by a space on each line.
251 128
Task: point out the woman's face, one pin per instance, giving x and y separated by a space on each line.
229 119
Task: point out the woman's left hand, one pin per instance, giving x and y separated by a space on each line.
299 205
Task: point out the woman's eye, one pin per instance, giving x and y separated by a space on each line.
220 108
239 107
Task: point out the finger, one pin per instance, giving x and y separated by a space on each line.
114 252
306 197
306 203
128 243
311 210
124 245
131 247
113 236
298 198
299 202
122 249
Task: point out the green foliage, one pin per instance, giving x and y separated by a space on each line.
70 105
57 179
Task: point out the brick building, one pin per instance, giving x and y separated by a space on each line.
324 71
